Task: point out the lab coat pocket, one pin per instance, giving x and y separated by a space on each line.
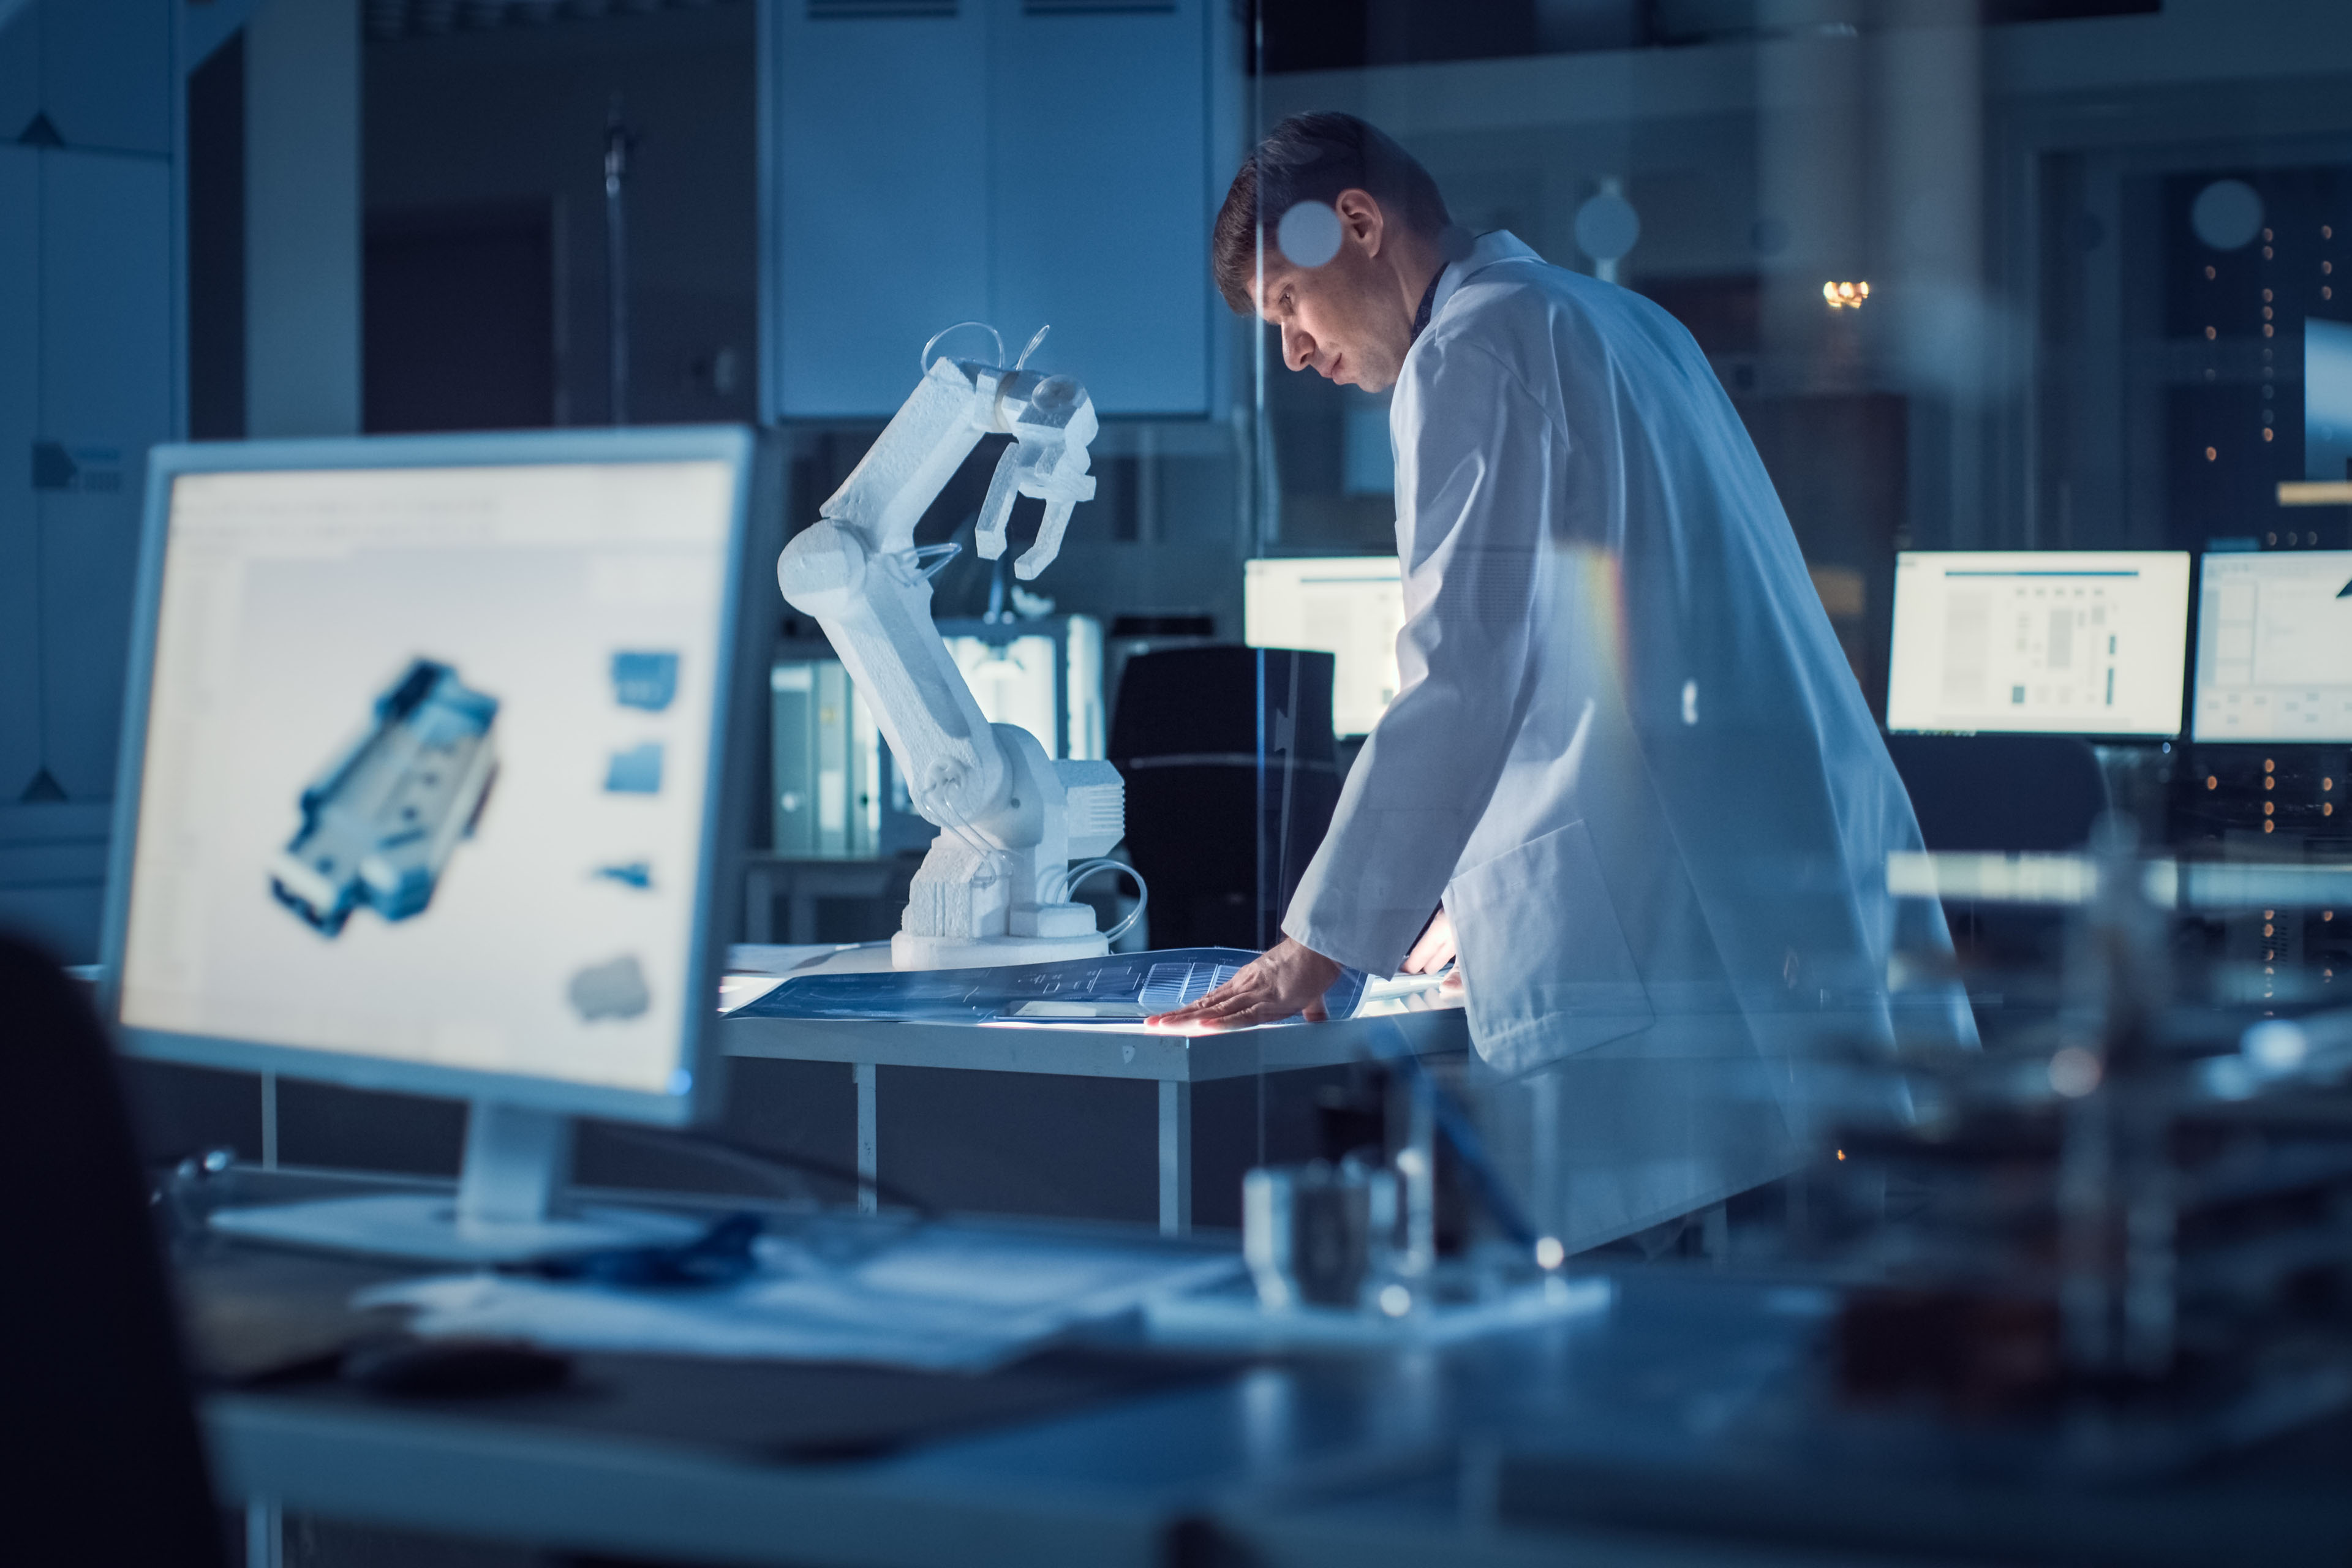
1546 963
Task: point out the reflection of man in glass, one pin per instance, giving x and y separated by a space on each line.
1629 770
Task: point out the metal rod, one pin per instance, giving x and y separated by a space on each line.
617 142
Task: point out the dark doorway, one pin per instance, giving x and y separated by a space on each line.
460 320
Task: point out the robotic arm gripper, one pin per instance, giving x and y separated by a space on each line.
993 888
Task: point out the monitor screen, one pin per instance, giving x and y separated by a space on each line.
1351 606
2274 648
2068 642
429 757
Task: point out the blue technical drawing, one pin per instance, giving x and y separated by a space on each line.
636 770
380 821
647 681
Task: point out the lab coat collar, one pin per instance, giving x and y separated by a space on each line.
1498 245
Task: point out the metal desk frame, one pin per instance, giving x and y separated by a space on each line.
1175 1062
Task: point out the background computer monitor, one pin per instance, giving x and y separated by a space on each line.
430 761
2070 642
1351 606
2274 648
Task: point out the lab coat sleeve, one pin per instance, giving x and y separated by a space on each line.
1479 462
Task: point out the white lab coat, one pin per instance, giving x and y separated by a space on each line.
1628 751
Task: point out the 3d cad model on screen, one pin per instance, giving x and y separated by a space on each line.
382 819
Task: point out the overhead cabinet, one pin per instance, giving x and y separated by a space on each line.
1018 162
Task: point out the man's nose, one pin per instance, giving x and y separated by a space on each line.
1298 349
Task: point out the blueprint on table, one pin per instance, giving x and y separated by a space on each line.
1122 988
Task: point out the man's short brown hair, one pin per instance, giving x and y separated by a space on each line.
1313 158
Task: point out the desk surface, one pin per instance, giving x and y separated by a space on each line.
1426 1023
1678 1396
1095 1051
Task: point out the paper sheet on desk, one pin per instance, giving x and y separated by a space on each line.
937 1299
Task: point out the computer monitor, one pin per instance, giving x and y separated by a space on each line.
429 758
2042 641
2274 648
1351 606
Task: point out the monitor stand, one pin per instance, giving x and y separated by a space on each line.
504 1210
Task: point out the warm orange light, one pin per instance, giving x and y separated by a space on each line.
1845 296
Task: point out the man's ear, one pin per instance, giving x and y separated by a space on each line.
1362 220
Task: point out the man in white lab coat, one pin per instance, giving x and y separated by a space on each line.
1629 770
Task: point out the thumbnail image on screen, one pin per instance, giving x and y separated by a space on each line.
426 759
2274 648
1351 606
2069 642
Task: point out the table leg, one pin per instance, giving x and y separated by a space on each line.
265 1533
869 1163
1175 1159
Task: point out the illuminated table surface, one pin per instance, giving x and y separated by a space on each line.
1423 1021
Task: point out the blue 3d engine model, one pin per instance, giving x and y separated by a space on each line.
380 821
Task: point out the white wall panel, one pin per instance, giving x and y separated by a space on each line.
302 262
878 188
20 319
1099 194
105 398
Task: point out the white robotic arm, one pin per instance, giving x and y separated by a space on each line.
993 888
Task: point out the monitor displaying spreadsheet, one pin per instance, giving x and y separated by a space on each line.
2274 648
2068 642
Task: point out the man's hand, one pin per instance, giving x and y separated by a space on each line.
1289 979
1435 950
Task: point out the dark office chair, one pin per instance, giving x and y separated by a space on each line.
2000 794
101 1461
1185 734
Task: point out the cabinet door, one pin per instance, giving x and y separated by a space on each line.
877 183
20 70
106 73
20 326
105 397
1099 193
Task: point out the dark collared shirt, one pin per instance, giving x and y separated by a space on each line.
1428 301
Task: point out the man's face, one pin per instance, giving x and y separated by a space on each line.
1346 319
